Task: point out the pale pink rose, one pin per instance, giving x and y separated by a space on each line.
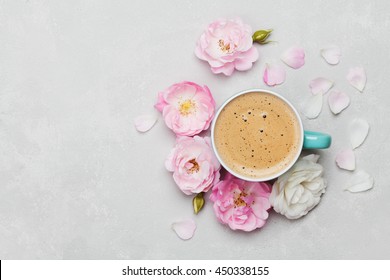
187 108
241 204
194 165
227 45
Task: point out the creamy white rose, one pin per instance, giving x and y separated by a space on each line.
299 190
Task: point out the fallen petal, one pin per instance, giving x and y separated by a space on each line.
346 159
338 101
331 54
357 78
320 85
360 182
313 106
359 129
144 123
184 229
274 74
294 57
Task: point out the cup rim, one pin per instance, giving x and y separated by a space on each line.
259 179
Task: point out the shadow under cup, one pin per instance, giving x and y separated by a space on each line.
257 135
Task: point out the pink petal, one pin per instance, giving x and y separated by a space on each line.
331 54
360 182
320 85
346 159
226 69
184 229
359 130
144 123
357 78
338 101
294 57
274 74
313 106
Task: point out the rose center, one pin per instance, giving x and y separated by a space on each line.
240 199
226 48
194 168
187 107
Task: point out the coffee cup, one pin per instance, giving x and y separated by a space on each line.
257 135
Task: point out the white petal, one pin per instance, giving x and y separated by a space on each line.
346 159
313 106
357 78
359 129
360 182
331 54
294 57
320 85
274 74
184 229
144 123
312 157
338 101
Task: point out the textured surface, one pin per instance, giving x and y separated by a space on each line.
77 181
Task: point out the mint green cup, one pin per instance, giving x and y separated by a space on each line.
308 139
316 140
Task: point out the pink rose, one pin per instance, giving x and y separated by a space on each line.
241 204
187 108
194 165
227 45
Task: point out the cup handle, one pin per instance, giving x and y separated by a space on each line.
316 140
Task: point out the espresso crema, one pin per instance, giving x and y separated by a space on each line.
257 135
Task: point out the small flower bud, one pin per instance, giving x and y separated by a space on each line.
260 36
198 202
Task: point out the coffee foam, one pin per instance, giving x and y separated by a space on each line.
257 135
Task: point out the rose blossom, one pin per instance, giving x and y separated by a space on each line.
299 190
227 45
241 204
194 165
187 108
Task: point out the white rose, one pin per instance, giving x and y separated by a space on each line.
299 190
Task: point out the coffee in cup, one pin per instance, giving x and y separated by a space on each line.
257 135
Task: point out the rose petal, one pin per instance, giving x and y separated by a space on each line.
360 182
338 101
331 54
359 129
294 57
357 78
346 159
184 229
320 85
144 123
313 106
274 74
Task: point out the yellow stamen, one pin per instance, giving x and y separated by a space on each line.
225 47
238 199
195 167
222 46
187 107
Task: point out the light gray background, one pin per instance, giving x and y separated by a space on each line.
77 181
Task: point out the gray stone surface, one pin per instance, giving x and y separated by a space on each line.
77 181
